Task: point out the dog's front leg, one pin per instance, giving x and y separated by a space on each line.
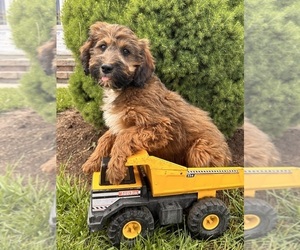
132 140
103 149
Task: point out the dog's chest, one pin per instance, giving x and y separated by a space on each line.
111 115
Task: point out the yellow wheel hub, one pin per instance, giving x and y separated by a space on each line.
211 221
251 221
132 229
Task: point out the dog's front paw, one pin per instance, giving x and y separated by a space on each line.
90 167
116 171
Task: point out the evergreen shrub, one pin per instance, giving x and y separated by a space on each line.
39 90
272 71
86 96
78 16
31 23
197 45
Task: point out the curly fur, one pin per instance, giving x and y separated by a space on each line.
140 111
259 151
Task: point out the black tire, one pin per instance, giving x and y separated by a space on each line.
129 224
208 218
259 218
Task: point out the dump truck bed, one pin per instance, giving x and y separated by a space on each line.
167 178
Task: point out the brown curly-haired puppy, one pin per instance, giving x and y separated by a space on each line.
140 111
259 151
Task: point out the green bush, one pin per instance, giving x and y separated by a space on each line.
31 22
87 96
63 99
272 71
198 47
78 16
39 91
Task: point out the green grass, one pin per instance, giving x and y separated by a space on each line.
24 214
287 233
72 231
63 99
11 98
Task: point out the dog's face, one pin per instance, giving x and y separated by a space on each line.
115 57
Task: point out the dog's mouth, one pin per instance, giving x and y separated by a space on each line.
105 81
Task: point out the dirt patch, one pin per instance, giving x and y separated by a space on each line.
76 140
26 142
236 145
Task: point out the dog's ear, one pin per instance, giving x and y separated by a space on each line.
145 70
86 47
85 55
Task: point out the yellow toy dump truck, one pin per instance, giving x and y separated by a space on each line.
260 217
155 189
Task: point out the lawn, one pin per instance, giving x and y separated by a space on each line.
24 213
11 98
287 233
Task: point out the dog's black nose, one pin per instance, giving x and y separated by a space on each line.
106 68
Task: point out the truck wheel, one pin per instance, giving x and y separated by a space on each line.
208 218
259 219
129 224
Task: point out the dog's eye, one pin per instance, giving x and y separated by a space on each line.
125 52
103 47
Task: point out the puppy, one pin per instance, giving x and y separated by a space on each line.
140 111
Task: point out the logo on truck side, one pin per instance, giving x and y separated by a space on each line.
129 192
